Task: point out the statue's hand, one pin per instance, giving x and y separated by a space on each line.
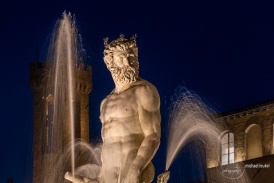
164 177
133 176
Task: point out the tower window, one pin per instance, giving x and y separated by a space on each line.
48 131
228 148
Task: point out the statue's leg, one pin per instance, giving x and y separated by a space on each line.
111 157
109 175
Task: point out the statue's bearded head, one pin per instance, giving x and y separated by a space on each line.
121 59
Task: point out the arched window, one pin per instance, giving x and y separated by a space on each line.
228 148
253 141
48 138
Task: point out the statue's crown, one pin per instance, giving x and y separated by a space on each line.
121 43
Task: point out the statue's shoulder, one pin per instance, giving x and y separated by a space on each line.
145 86
104 100
147 94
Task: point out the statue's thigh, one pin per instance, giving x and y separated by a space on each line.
109 175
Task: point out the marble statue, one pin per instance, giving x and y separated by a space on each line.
130 117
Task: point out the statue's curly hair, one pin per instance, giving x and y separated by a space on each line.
121 44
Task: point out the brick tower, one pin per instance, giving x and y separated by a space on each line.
45 144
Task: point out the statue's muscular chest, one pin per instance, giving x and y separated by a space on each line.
119 106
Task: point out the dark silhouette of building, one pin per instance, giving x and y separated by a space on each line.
47 143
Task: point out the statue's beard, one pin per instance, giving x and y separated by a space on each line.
126 74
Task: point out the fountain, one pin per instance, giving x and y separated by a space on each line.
125 155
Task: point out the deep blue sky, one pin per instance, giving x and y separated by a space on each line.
223 50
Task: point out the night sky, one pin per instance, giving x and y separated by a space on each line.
223 50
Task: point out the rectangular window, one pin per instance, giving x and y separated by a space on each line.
231 157
228 148
224 148
224 159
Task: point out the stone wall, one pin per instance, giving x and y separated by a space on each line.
259 170
243 123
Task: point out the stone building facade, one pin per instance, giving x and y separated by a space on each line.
247 143
45 144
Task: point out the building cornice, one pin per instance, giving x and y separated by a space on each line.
246 111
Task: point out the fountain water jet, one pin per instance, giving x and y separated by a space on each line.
190 119
63 58
64 54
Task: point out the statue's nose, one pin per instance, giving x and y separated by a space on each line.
126 61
